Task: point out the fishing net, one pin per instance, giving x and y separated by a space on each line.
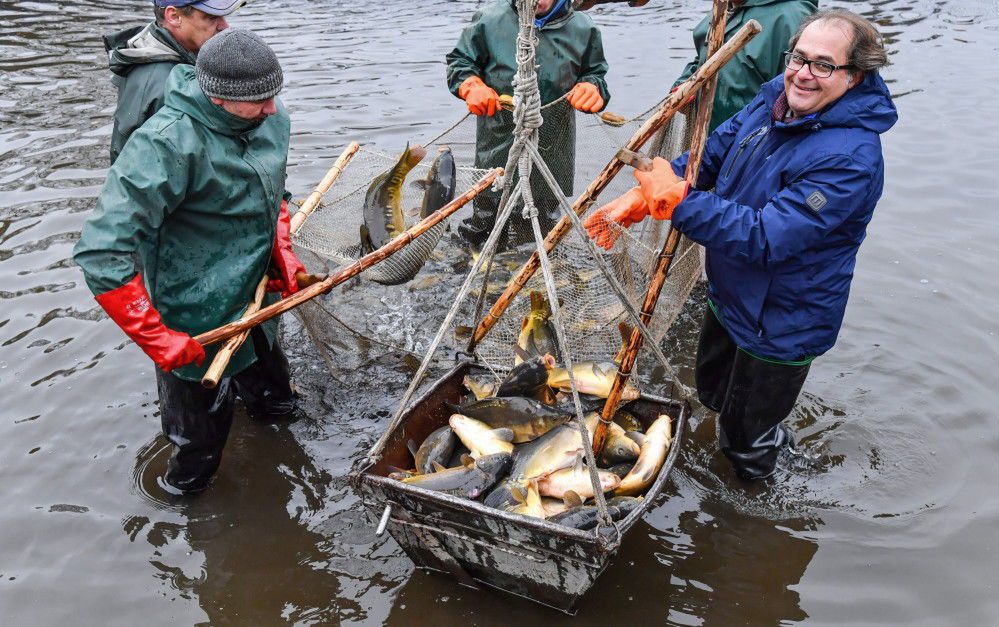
404 317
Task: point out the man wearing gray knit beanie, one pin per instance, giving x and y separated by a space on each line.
192 215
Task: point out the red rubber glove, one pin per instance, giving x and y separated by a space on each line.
284 261
625 210
132 310
480 98
661 188
586 97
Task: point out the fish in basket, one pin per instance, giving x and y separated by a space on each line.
479 516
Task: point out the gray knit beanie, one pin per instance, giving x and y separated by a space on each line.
235 64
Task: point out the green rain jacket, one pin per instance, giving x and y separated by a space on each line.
570 50
140 59
192 204
762 58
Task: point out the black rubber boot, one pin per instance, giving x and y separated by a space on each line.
196 421
752 396
265 387
476 228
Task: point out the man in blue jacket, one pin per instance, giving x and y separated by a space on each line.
796 176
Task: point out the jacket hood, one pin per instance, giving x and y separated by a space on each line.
867 106
184 94
141 45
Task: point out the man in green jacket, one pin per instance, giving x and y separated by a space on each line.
141 57
570 59
761 60
190 217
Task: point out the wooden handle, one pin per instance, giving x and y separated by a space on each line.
222 358
306 294
716 36
676 101
634 159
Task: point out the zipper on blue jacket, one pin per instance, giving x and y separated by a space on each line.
742 146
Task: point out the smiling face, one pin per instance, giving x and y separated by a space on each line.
824 40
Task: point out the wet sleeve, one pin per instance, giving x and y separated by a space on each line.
137 102
469 57
818 200
715 150
593 66
145 184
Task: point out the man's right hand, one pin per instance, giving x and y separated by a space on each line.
132 309
480 98
605 224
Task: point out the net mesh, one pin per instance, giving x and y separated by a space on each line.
405 317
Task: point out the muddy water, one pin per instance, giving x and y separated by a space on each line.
893 524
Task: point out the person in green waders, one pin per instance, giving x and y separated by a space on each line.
761 60
141 57
570 58
192 214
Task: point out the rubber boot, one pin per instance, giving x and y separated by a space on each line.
265 387
753 396
197 422
476 228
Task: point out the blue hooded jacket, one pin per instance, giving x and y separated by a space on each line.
789 211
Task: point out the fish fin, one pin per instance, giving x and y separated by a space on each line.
422 184
366 245
571 499
519 351
438 466
467 461
519 494
411 445
506 434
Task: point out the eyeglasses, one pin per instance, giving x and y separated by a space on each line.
819 69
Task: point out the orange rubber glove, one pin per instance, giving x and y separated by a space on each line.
625 210
661 189
586 97
480 98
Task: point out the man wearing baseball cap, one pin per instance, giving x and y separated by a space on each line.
190 217
141 57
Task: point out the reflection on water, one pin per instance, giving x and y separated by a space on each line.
889 522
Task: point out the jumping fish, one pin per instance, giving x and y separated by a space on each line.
470 480
383 217
437 447
651 459
537 337
526 417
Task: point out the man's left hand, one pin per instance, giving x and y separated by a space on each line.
284 261
586 97
661 188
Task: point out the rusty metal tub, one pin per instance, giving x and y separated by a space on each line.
529 557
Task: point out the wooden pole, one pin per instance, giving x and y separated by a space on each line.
673 103
306 294
716 35
221 361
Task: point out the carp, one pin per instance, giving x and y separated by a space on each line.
650 460
437 447
382 213
557 506
529 379
618 447
586 517
470 480
441 183
593 378
479 387
537 336
576 479
526 417
481 439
